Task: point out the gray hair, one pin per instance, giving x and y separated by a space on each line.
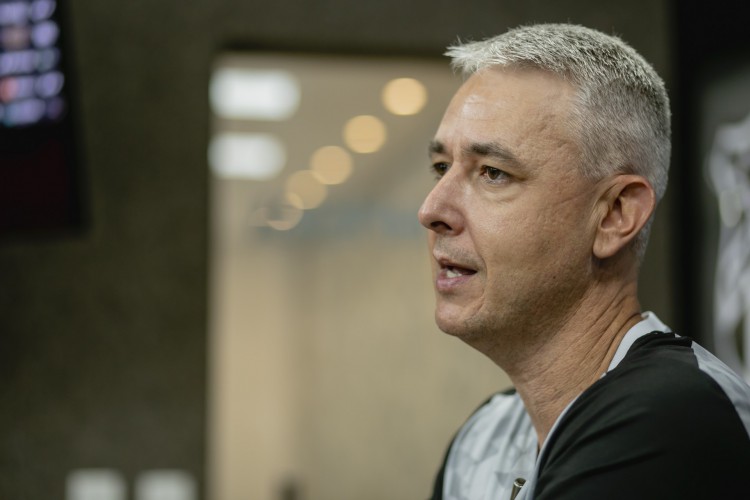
620 111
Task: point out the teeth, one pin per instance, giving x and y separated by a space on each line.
450 273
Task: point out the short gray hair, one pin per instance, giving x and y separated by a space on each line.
621 108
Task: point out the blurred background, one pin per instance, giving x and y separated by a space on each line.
177 322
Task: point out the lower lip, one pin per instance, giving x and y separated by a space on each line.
445 284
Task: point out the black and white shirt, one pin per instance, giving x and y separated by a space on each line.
668 420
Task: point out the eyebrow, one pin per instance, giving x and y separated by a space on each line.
486 149
436 147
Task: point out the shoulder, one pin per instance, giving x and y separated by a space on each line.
662 373
503 417
665 376
494 446
638 427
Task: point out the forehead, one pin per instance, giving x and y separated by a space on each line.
496 89
523 109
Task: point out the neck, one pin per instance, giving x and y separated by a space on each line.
553 371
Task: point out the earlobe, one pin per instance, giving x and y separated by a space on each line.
627 206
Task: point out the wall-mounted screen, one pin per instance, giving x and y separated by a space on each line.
39 170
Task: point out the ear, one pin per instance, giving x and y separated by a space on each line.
626 205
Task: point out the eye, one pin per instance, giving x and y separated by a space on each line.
493 174
440 168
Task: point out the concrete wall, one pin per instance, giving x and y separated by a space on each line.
103 335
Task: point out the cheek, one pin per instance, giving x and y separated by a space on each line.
430 246
430 239
566 246
536 241
511 245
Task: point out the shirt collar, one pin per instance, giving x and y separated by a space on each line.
649 323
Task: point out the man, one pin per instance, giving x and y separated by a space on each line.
550 161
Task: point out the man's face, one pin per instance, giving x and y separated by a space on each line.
511 218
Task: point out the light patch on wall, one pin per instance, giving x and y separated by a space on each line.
254 94
249 156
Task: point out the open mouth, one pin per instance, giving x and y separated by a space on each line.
451 277
455 271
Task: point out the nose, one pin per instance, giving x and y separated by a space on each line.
440 211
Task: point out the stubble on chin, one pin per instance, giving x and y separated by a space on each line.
505 339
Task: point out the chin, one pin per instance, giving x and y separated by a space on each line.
457 316
455 326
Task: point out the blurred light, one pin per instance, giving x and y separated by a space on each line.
45 34
364 134
285 217
14 37
9 89
331 164
23 61
404 96
246 156
24 112
13 13
95 484
304 190
49 84
47 59
55 108
253 94
42 9
165 485
18 87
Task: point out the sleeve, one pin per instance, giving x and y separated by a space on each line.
657 431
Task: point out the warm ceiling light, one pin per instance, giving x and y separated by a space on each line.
331 164
246 156
404 96
254 94
304 190
364 134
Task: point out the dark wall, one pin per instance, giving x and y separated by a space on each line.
103 334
